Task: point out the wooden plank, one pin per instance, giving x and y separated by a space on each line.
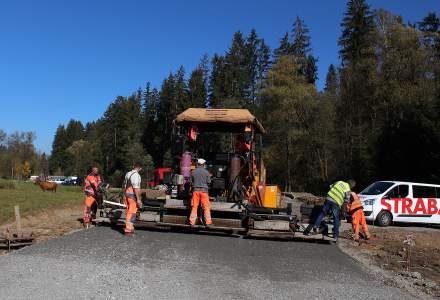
18 219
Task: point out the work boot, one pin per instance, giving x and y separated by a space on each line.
308 230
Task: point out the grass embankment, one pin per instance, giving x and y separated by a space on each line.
32 199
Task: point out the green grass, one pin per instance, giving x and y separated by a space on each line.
32 199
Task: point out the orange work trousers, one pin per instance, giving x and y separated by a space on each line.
130 214
358 219
197 197
87 210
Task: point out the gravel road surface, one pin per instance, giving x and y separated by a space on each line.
100 263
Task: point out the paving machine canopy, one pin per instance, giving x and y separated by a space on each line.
219 120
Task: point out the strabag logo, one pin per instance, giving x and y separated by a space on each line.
410 206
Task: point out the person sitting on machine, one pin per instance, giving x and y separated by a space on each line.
242 147
200 179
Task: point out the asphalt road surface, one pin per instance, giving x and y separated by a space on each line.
100 263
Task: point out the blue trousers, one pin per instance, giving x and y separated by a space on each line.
329 206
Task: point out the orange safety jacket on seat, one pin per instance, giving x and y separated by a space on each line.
91 184
355 204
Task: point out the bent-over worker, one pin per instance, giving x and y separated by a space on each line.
356 210
90 189
200 179
339 194
132 199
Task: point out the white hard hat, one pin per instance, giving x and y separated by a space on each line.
201 161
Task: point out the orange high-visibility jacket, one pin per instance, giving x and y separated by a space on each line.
91 184
355 204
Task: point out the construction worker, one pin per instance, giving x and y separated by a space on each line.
200 179
132 199
339 194
242 147
91 184
356 210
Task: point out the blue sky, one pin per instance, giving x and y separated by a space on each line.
69 59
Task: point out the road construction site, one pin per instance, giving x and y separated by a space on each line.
101 263
246 240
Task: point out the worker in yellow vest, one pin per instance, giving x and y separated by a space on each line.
339 193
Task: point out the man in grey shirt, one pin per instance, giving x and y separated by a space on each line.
200 179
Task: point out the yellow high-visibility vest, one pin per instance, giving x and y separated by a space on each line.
338 192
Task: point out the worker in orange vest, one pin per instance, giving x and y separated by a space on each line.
355 209
132 199
200 179
242 147
91 184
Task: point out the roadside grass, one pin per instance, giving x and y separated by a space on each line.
32 199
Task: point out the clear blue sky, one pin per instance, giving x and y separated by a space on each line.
69 59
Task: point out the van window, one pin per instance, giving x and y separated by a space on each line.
420 191
377 188
399 191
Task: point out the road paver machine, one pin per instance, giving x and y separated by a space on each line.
230 140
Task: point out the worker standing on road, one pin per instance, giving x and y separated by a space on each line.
91 184
356 210
132 199
339 193
200 179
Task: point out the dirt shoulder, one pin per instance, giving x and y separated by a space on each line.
50 223
385 255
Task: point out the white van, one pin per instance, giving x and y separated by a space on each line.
388 201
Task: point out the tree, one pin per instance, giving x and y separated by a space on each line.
301 45
284 48
218 87
197 92
430 26
236 73
357 26
289 102
331 83
357 84
301 49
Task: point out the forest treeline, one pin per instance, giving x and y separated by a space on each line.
376 118
18 157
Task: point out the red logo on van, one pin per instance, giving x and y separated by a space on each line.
406 206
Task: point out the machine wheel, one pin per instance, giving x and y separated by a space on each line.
384 218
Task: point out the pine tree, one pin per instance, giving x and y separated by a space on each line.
331 82
181 91
301 50
358 25
217 81
197 92
284 47
237 76
301 45
74 131
357 85
59 145
251 65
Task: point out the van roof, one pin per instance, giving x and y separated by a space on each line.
408 182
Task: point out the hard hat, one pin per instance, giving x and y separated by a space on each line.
201 161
